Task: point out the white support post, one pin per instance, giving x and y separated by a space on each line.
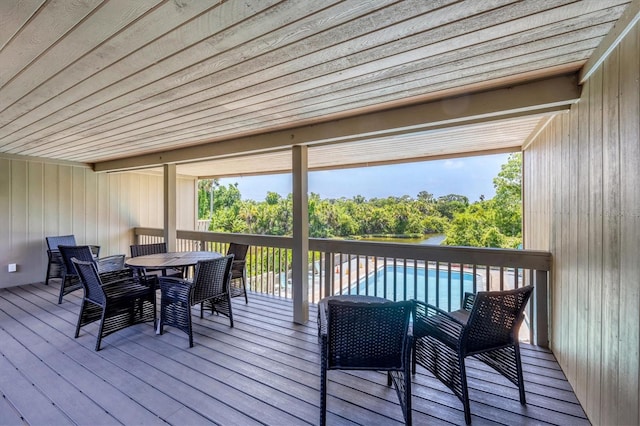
170 206
300 255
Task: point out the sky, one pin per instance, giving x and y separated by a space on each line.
469 176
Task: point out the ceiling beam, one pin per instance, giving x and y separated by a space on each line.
627 21
551 94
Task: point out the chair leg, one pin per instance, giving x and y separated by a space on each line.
82 307
523 399
323 396
465 390
163 316
407 397
244 286
230 309
99 339
155 310
62 282
413 357
47 276
190 327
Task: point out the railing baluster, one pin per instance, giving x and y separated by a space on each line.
487 284
462 290
438 284
449 286
415 279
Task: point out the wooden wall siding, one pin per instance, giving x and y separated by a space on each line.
582 203
40 199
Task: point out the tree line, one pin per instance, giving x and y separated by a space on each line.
494 222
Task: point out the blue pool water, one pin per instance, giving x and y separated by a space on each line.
421 284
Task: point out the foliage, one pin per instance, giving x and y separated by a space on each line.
508 199
496 222
205 207
485 223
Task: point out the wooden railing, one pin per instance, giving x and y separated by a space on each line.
439 275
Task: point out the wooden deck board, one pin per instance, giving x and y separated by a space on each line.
265 370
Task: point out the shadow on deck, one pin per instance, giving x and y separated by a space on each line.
263 371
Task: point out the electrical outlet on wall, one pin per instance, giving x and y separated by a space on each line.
12 267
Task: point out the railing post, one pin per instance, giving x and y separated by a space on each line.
541 309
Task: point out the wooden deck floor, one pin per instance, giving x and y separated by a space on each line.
263 371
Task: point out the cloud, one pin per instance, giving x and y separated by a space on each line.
453 164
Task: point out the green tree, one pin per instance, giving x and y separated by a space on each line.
426 197
496 222
205 207
227 204
434 224
449 205
508 199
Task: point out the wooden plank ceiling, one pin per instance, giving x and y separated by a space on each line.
100 80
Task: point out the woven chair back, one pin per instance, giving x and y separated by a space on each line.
91 282
62 240
239 251
145 249
79 252
495 318
368 336
211 278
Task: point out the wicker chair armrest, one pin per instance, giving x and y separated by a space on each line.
469 300
110 263
107 276
130 287
433 321
125 276
122 282
54 254
322 322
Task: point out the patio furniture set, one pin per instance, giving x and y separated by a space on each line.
121 292
356 332
371 333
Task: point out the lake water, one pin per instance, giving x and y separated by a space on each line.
421 285
434 239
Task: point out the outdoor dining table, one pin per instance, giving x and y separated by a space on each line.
178 259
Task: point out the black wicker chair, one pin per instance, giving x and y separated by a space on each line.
70 280
367 336
209 288
118 299
55 264
486 328
238 270
145 249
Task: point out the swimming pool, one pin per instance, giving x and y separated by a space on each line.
428 285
